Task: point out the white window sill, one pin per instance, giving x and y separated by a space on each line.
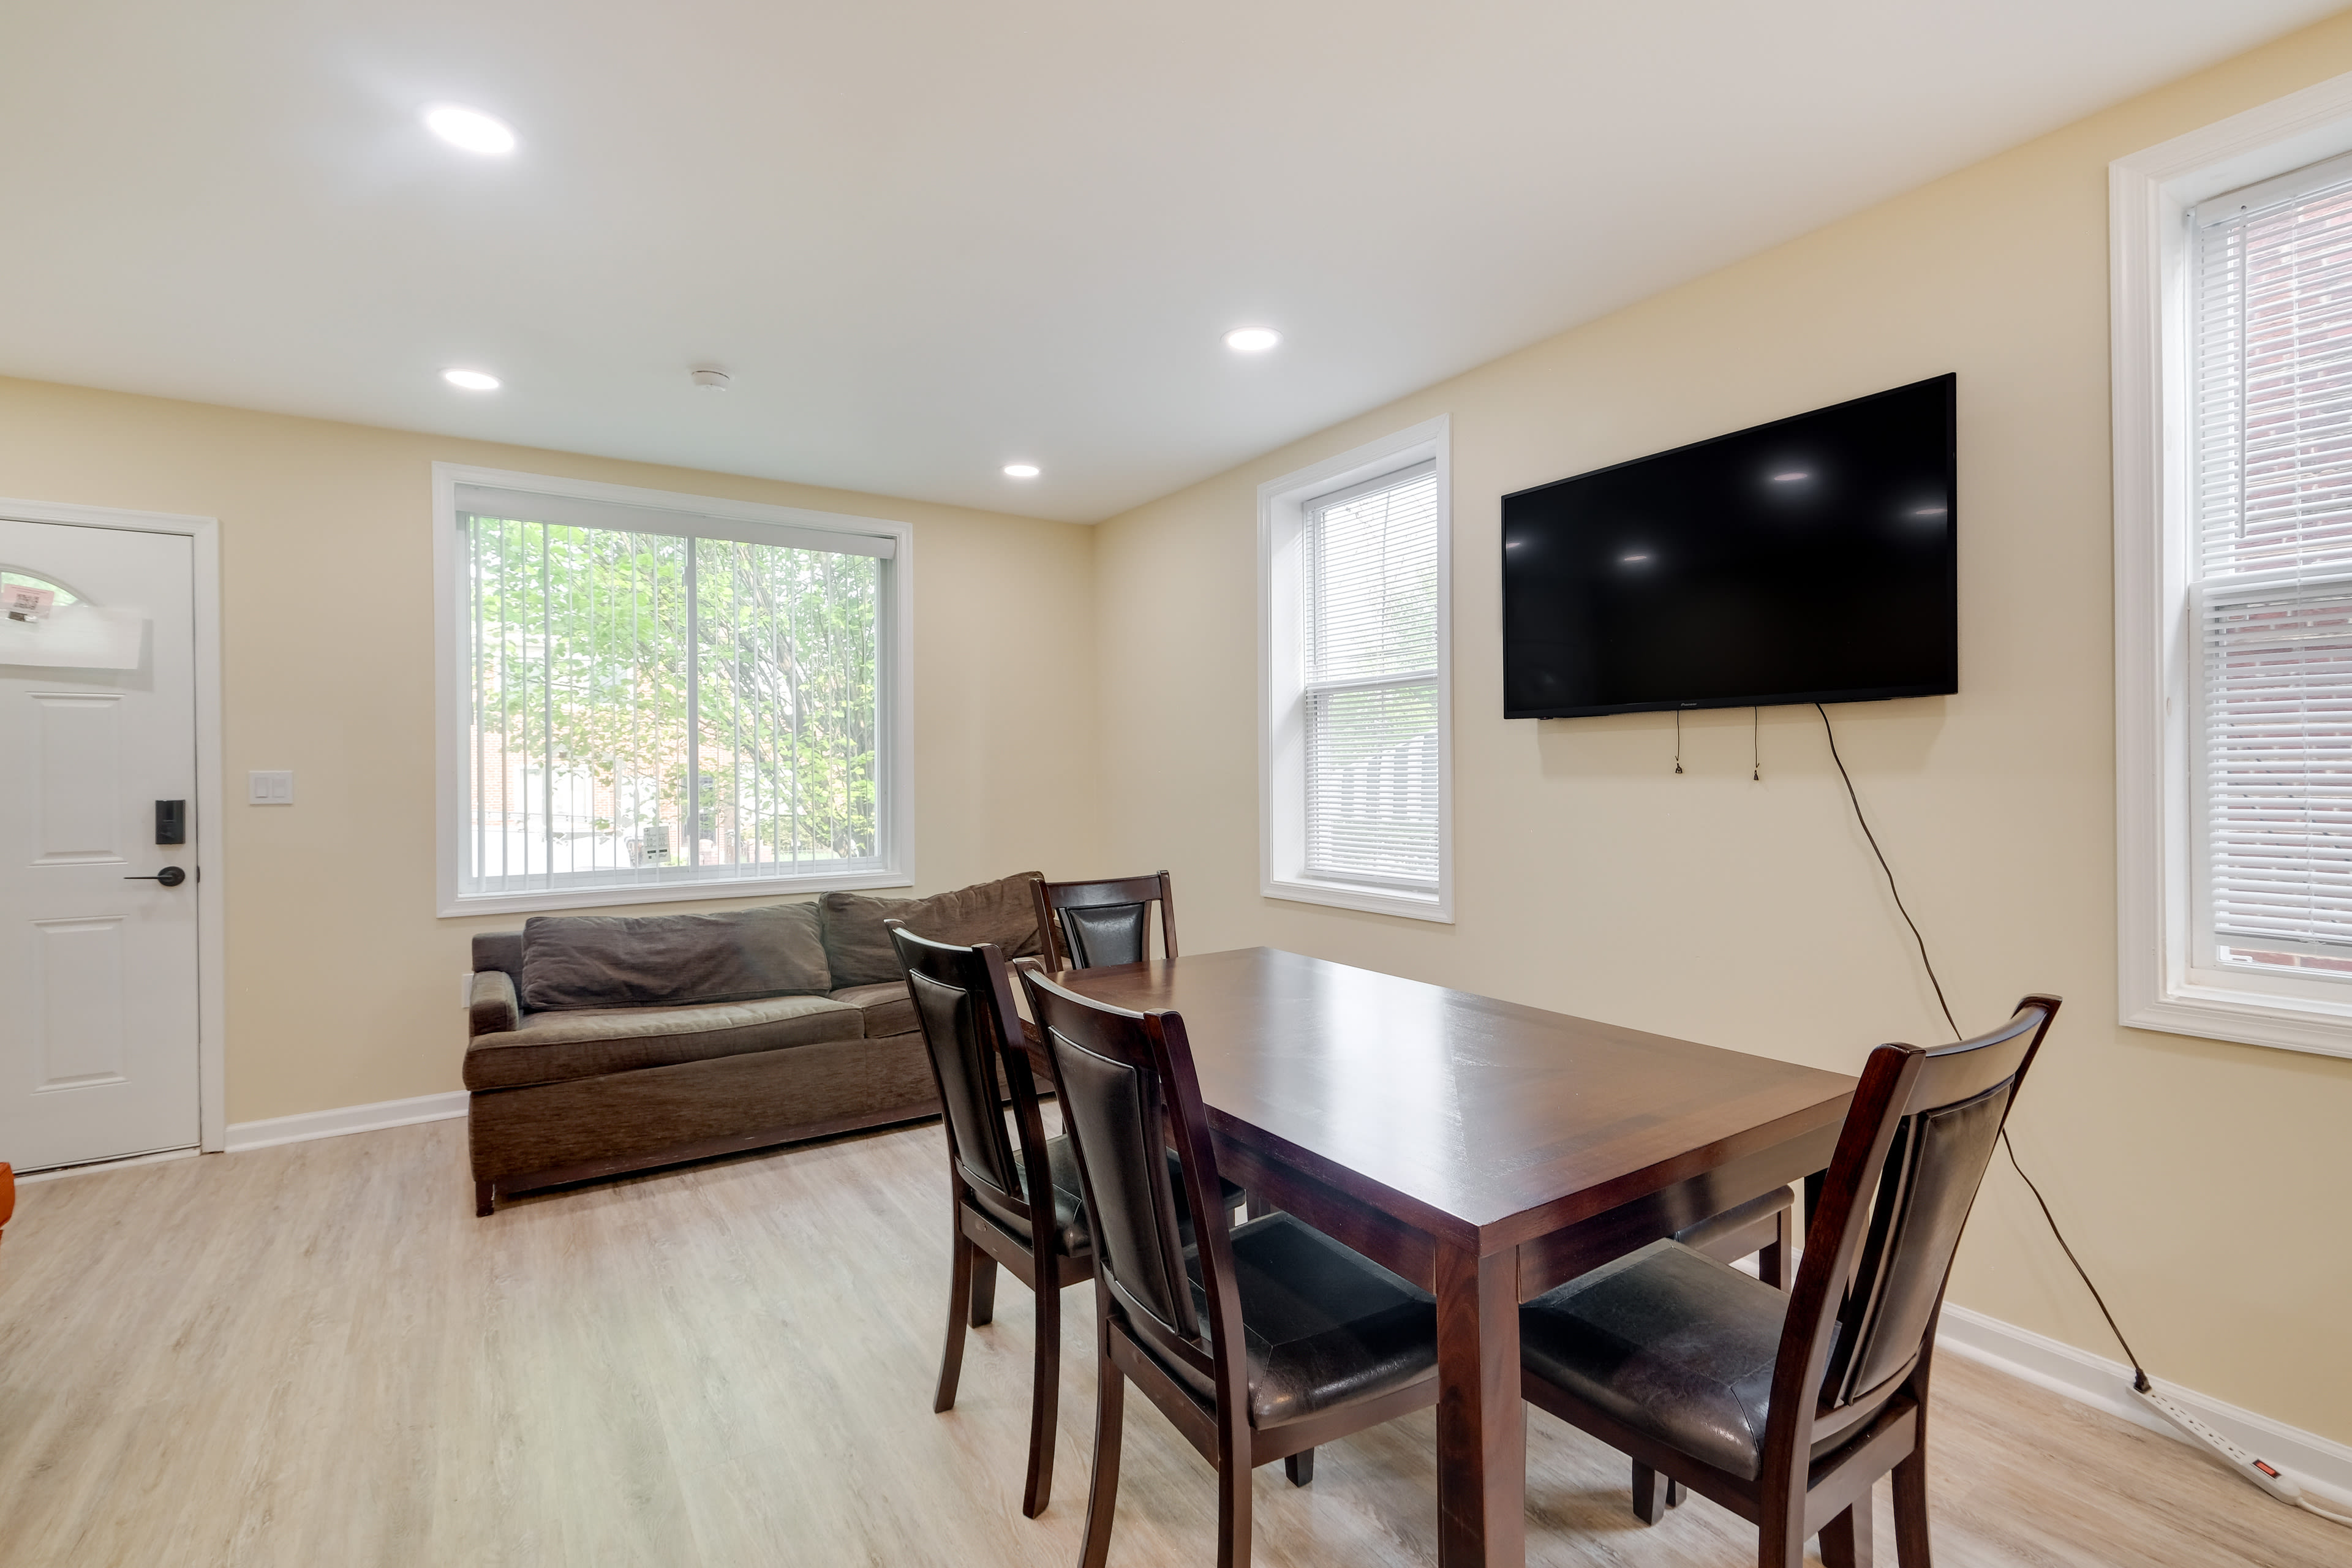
2248 1017
1371 901
611 896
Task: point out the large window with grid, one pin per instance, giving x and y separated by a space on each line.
1354 569
660 702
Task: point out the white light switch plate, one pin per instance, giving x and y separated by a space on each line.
273 786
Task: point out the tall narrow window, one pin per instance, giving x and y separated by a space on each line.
2272 597
1353 587
655 703
1370 681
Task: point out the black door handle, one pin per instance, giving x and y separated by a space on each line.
170 876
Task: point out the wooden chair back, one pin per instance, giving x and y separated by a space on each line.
7 1195
1917 1141
1126 1085
1084 925
963 1006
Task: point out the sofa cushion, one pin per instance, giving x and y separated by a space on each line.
638 961
553 1047
859 949
886 1007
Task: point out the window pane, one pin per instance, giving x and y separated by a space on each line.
2275 387
592 648
1372 581
1371 784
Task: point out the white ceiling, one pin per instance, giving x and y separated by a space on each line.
930 237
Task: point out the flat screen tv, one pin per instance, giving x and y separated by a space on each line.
1810 560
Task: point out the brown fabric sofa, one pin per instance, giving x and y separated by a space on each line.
606 1044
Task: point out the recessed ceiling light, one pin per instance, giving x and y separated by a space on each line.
1252 340
1020 471
471 380
1791 477
471 128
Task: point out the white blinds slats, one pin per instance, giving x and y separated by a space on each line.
1371 681
2278 766
2272 422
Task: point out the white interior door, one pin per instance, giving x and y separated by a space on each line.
97 956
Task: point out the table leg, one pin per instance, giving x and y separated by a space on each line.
1481 1441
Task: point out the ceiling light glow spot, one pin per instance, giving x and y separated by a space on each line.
471 380
1252 340
1927 511
1020 471
471 128
1630 559
1791 477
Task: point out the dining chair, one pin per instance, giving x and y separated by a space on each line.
1083 924
7 1195
1257 1341
1786 1408
1016 1192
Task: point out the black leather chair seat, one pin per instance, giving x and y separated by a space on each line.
1326 1325
1069 1202
1669 1343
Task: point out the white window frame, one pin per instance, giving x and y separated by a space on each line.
1282 730
894 686
2161 985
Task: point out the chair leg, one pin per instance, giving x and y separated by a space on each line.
1645 1493
1772 1259
486 1198
1674 1492
983 1289
1300 1468
1911 1510
1103 1497
1044 1392
1846 1539
960 1263
1234 1510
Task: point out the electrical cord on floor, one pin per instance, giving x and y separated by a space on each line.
2139 1373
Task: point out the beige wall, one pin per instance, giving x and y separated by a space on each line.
2207 1185
343 985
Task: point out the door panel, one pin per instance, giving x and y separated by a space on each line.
97 961
80 1003
81 769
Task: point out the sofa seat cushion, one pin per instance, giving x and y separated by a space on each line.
887 1008
551 1047
857 947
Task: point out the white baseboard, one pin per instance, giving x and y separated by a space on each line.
2321 1465
244 1135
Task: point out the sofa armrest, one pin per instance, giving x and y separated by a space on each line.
492 1009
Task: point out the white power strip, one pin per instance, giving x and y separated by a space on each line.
2262 1472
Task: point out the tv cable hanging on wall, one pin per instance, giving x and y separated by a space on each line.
2259 1471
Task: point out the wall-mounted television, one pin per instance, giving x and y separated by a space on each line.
1811 560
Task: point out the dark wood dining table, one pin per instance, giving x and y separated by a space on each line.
1484 1150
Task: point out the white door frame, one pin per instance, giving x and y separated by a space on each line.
212 799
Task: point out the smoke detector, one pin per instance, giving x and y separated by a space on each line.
708 379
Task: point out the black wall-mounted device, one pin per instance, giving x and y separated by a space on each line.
170 822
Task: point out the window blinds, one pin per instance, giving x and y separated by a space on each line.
1371 681
2272 601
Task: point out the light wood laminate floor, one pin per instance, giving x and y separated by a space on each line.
316 1357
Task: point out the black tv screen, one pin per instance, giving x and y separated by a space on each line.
1811 560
